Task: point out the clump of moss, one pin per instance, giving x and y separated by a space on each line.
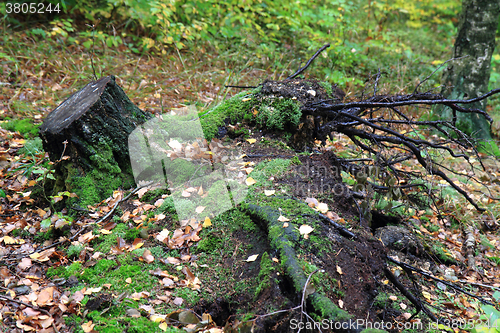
280 114
233 109
24 126
266 270
208 244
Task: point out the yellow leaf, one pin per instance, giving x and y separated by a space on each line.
251 141
322 207
426 295
339 270
105 232
157 318
250 181
128 280
305 229
9 240
207 222
269 192
283 219
252 258
163 326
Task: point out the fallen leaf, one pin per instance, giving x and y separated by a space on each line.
178 301
341 303
252 258
322 207
128 280
285 225
157 318
251 141
250 181
25 263
88 326
269 192
312 202
339 270
305 229
148 257
393 298
207 223
283 219
163 235
200 209
134 313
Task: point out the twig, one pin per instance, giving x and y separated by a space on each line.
36 308
418 304
479 284
300 70
439 67
449 284
302 305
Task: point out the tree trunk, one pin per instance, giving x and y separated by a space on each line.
468 77
91 128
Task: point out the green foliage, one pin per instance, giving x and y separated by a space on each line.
491 317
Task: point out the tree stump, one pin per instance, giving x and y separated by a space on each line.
86 137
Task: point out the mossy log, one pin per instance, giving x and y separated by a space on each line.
283 239
86 137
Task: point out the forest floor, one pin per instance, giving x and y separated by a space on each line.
141 270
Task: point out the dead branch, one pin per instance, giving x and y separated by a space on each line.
375 125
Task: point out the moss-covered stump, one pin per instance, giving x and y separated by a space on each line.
86 138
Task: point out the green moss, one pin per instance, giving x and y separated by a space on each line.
74 250
328 88
117 321
208 244
23 126
115 273
233 109
105 242
132 234
65 271
279 114
265 273
189 296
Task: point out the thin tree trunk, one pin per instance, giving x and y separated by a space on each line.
468 77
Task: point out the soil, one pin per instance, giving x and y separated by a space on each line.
361 261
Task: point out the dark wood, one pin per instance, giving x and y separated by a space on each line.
92 128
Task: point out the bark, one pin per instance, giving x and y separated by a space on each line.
468 76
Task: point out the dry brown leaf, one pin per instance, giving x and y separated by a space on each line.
148 257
